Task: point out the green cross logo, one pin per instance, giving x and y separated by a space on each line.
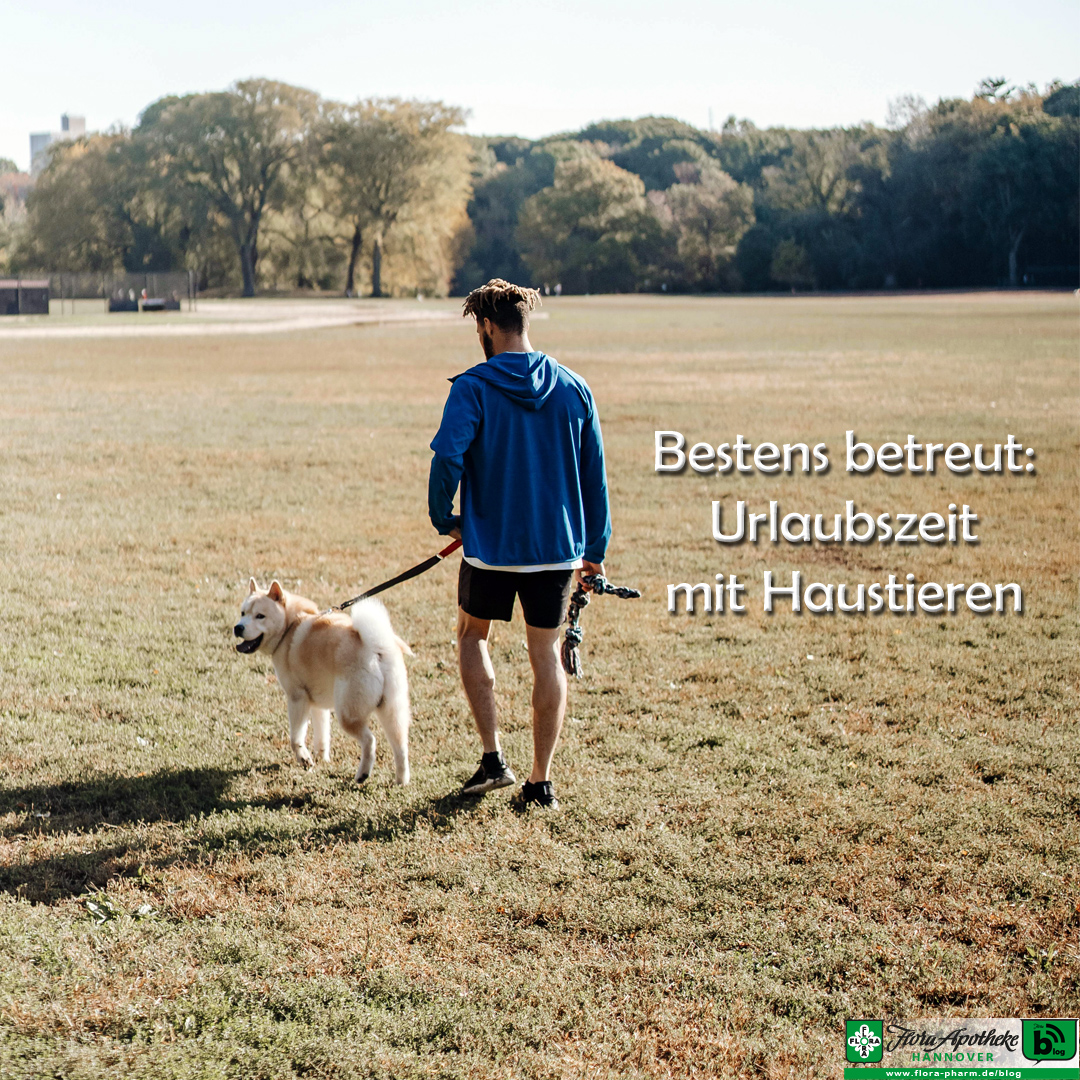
1049 1040
863 1039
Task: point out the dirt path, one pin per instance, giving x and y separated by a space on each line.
225 317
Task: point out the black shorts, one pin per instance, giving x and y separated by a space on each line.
489 594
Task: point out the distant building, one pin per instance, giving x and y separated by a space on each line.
71 127
24 296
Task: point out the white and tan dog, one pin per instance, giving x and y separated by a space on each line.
354 666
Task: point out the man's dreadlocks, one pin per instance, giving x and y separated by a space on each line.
506 305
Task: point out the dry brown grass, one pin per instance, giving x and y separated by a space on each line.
754 845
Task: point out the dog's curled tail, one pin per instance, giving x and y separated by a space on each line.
372 623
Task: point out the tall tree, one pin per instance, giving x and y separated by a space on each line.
76 212
1014 178
300 243
816 172
1061 100
506 172
232 149
100 205
979 187
592 230
710 212
387 157
95 208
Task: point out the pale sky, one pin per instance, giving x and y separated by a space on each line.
528 69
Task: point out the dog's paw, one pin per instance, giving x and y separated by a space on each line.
361 776
303 757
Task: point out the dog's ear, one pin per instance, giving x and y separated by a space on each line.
276 592
253 586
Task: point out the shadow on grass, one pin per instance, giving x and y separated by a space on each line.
173 795
45 881
177 796
105 799
439 814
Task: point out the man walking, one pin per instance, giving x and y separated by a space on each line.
521 435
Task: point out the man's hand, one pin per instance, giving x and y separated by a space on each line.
455 534
587 570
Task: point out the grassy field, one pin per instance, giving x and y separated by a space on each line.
769 824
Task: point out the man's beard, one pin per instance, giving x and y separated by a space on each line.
489 345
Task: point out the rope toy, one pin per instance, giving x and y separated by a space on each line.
571 661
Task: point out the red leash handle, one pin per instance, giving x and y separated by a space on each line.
449 549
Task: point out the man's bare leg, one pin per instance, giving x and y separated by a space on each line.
478 676
548 699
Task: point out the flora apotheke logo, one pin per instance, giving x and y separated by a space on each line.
864 1039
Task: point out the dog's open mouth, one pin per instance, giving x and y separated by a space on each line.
249 646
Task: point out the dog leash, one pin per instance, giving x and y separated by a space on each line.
571 662
414 571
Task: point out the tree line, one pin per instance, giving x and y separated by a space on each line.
260 185
962 193
267 185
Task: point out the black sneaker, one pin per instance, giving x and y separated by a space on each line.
493 773
540 794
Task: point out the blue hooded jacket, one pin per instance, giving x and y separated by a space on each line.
521 435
